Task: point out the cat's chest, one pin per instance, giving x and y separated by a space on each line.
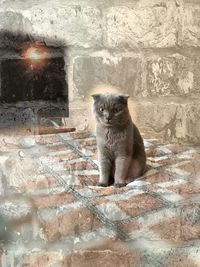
112 138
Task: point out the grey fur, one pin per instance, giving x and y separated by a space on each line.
120 146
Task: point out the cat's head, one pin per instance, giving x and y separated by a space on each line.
111 109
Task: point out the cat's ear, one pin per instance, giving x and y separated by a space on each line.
96 96
123 98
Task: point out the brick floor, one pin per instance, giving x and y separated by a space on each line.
110 252
70 223
181 262
140 204
57 216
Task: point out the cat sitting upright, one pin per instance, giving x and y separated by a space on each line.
121 152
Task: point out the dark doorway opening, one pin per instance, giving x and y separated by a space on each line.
33 77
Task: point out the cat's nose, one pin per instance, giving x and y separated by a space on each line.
108 120
107 117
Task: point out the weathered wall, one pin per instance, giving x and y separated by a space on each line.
148 48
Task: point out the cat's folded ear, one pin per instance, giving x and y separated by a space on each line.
96 96
124 98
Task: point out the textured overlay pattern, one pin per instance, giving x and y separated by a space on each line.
56 216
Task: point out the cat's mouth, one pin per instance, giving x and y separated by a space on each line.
107 124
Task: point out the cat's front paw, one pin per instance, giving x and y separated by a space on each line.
102 184
119 185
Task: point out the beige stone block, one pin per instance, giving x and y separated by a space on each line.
117 71
56 23
190 25
144 25
174 75
172 120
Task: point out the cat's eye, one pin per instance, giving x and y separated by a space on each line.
101 109
115 110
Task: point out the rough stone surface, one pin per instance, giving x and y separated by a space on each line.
28 113
190 26
175 75
141 26
14 22
171 120
122 72
77 25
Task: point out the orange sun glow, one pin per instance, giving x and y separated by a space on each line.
35 56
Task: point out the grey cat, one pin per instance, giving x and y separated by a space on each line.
121 152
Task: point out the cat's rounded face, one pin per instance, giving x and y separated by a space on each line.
111 109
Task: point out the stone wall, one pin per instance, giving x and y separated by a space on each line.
148 48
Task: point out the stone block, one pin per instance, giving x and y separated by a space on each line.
122 72
170 120
175 75
14 21
190 23
68 25
14 33
142 26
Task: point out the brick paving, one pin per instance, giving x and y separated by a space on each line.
56 216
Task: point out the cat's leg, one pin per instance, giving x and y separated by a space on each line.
122 165
137 169
105 167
